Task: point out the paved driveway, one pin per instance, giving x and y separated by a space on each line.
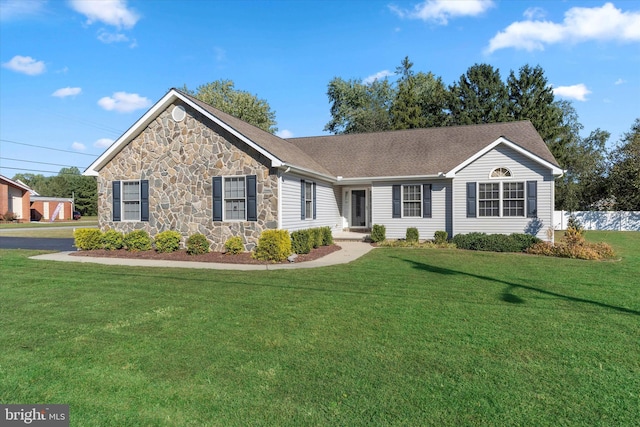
36 243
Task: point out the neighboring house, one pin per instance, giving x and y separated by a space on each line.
187 166
14 198
51 208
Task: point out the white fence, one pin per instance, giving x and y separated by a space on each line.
599 220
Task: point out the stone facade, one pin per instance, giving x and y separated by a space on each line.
180 160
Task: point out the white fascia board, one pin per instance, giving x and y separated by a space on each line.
502 140
307 172
370 180
151 115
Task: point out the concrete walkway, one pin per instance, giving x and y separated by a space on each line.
349 252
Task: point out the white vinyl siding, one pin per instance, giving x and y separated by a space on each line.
327 197
522 170
396 228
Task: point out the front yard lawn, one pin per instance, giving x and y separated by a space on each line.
399 337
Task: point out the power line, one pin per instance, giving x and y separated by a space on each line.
47 148
38 170
41 163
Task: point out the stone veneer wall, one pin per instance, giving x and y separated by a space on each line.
180 159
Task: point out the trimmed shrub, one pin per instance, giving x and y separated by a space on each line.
197 244
378 233
273 245
87 239
137 241
9 216
112 240
412 235
440 237
168 241
234 245
315 236
515 242
301 242
327 236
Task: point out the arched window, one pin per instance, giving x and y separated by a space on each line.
500 173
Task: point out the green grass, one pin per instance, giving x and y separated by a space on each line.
398 337
82 222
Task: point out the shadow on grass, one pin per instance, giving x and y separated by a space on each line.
507 294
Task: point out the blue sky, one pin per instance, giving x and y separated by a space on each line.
75 75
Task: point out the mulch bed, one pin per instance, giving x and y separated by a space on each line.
217 257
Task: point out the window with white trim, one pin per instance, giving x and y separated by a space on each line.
500 173
412 200
513 199
489 199
308 200
131 200
235 198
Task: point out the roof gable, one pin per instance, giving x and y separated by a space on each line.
13 183
277 150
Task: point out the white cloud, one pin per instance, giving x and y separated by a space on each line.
25 65
620 82
67 91
124 102
377 76
78 146
534 13
16 9
580 24
440 11
285 133
107 37
103 143
110 12
578 92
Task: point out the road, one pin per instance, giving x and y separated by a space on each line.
36 243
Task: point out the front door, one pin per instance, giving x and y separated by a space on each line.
358 208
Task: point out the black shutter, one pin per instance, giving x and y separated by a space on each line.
217 198
115 206
396 212
302 205
426 201
314 200
252 207
144 200
471 199
532 199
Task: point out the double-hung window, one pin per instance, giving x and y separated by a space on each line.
489 199
502 198
412 200
308 199
513 199
235 200
130 200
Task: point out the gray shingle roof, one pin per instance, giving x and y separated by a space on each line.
278 147
416 151
394 153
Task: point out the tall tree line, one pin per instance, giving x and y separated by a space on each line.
69 182
594 179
